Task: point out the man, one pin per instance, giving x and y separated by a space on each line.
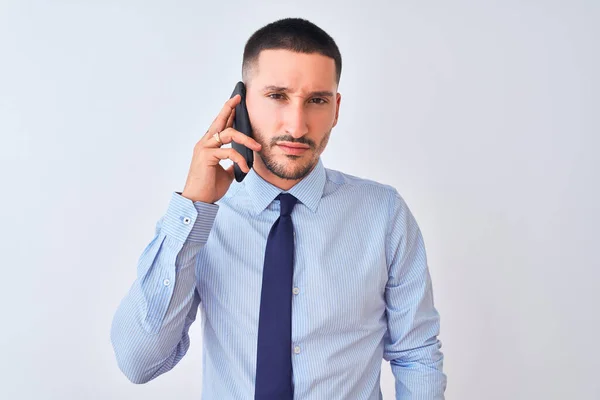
306 277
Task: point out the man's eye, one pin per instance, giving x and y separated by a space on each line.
320 100
276 96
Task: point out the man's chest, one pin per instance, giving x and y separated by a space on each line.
339 276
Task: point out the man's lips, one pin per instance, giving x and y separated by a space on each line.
295 145
293 148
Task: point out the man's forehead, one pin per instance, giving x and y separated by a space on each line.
294 71
269 53
287 89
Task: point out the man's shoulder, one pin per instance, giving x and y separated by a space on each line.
345 179
360 185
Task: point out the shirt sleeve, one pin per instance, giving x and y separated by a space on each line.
411 343
149 331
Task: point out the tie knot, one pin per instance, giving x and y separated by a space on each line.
288 202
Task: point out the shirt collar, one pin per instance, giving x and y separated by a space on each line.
308 191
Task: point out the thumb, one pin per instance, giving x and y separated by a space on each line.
231 172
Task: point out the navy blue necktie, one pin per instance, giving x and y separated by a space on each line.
274 356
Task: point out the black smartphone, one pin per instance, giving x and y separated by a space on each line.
241 122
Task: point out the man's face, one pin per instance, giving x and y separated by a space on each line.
292 100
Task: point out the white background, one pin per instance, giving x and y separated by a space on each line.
483 114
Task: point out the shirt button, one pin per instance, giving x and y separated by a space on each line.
297 349
187 220
295 290
166 282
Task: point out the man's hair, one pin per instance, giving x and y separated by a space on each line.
294 34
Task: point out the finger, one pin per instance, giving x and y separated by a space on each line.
230 153
221 120
230 120
230 134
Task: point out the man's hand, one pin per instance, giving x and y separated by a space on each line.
207 180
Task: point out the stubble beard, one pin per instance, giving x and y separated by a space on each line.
282 170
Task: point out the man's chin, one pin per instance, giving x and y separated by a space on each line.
288 167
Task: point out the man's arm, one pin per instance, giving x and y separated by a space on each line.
411 343
149 332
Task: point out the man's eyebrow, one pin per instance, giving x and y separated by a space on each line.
320 93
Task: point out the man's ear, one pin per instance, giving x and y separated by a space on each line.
337 108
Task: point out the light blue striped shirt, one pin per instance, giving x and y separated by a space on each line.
362 291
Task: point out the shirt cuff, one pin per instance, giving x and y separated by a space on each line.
189 220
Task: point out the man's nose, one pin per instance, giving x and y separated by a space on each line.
296 121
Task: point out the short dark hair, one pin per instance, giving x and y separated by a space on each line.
294 34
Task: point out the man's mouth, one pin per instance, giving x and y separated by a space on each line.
293 148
